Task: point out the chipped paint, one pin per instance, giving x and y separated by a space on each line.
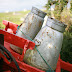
55 46
40 23
29 25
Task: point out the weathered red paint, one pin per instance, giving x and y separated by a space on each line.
10 25
58 68
25 44
65 65
20 42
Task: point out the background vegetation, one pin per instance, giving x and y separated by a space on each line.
15 17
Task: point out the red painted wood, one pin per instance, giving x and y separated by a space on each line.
18 41
58 68
5 59
10 25
22 65
24 43
66 66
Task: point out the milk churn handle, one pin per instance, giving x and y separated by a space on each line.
50 69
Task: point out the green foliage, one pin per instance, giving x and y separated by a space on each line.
59 6
66 52
59 3
71 6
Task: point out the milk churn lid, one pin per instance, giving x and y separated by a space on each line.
38 12
55 24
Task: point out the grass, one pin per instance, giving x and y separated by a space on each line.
15 18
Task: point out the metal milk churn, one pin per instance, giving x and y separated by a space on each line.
49 43
31 26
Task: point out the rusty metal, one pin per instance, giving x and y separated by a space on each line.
31 26
49 43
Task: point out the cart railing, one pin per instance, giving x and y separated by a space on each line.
25 44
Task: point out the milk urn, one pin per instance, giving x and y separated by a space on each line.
49 43
31 26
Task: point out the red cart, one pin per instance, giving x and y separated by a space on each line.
9 38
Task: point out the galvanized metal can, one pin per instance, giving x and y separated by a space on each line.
31 26
49 43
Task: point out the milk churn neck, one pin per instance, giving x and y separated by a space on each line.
55 24
38 12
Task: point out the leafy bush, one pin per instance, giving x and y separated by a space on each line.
66 52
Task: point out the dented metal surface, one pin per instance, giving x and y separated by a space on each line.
49 43
31 26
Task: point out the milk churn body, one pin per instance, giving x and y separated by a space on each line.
31 26
49 43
